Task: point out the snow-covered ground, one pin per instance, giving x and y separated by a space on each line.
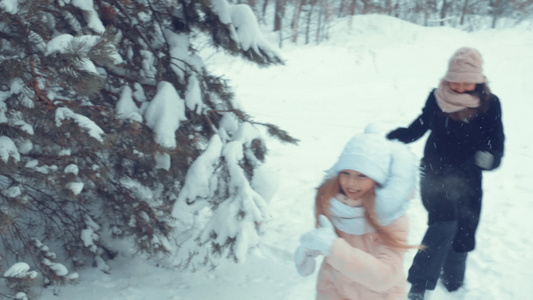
380 70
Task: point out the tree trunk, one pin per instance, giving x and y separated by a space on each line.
352 7
464 13
496 12
367 6
427 12
443 12
252 4
278 15
296 20
265 4
389 6
319 26
341 8
308 29
494 21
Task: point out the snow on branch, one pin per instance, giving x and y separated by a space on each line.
20 270
193 96
91 16
182 60
52 269
198 180
63 113
8 149
252 201
234 221
126 107
75 187
164 114
10 7
66 43
244 29
89 235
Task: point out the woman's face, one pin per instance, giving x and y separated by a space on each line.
462 87
355 185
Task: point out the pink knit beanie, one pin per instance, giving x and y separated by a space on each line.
465 66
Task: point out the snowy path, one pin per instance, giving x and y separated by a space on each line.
381 72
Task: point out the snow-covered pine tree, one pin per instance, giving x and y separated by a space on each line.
110 125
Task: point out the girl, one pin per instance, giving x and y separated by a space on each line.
466 137
360 209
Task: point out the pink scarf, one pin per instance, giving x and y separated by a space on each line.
450 101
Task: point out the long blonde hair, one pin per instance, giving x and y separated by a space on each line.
331 187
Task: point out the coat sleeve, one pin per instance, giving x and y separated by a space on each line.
379 271
495 137
418 127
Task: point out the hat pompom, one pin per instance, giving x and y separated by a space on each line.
391 202
376 128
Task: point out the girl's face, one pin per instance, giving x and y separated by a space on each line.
355 185
462 87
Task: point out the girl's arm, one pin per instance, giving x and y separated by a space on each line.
380 271
418 127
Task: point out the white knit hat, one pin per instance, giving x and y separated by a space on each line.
365 153
389 163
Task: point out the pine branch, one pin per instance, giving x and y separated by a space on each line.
119 172
7 296
281 134
273 130
39 95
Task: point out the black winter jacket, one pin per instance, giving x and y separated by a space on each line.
452 144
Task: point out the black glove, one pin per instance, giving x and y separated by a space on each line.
400 134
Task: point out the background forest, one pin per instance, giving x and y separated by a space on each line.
307 21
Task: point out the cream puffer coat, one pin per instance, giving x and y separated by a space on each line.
361 267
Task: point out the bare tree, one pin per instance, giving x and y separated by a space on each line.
443 11
496 11
279 14
296 20
263 11
310 18
311 7
367 6
353 5
463 13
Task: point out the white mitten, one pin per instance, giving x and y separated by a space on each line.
304 259
484 159
320 239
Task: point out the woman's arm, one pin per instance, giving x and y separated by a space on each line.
418 127
496 136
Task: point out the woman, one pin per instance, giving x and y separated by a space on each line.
466 137
360 208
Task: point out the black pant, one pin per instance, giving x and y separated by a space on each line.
452 198
438 259
454 194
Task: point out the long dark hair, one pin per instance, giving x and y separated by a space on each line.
484 94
